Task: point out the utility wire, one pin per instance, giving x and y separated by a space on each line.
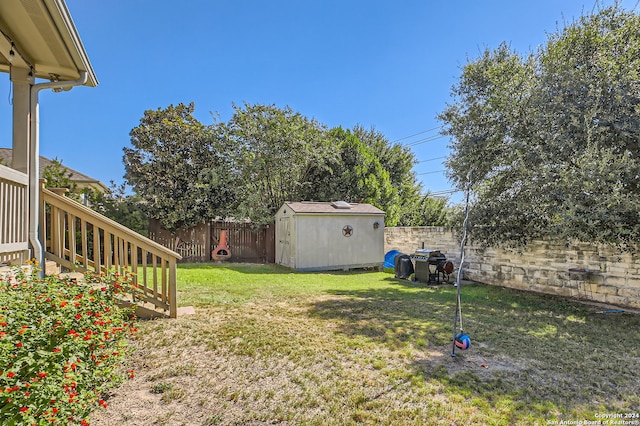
444 192
430 173
425 140
416 134
432 159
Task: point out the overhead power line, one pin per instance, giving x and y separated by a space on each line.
425 140
430 173
445 192
430 159
416 134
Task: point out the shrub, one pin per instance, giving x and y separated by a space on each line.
62 345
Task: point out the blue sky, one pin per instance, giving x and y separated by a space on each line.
383 64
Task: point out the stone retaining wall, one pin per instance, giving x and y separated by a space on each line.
608 275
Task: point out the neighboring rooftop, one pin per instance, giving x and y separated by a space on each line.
340 207
80 179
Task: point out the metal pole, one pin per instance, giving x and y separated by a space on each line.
458 314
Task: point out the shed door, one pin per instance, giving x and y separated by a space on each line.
284 242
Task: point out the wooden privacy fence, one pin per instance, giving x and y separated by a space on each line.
192 244
14 241
245 243
196 243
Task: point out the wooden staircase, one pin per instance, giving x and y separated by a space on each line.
77 239
142 309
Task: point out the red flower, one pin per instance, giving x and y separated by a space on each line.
56 349
18 345
24 409
42 374
11 374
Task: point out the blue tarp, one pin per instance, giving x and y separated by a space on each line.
389 258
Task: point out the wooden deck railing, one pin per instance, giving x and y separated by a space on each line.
14 240
81 239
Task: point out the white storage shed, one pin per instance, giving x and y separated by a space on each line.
324 236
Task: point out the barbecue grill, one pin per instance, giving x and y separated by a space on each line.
430 264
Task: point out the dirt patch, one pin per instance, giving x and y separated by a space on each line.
475 360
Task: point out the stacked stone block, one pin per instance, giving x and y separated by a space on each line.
578 270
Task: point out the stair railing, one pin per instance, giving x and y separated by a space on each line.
81 239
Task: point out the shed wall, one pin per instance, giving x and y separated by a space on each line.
321 245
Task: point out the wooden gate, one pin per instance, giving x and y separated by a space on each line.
245 243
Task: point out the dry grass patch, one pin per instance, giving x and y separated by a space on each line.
275 347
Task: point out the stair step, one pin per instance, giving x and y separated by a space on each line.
143 310
51 268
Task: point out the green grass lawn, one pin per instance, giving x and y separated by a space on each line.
267 345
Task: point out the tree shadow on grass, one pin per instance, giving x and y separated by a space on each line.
538 354
246 268
267 268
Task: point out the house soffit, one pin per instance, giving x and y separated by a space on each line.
44 37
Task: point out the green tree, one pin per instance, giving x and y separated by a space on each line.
355 175
124 209
429 211
274 150
179 168
58 176
551 139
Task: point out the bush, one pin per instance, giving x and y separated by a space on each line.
62 345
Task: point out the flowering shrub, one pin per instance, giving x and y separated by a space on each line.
62 345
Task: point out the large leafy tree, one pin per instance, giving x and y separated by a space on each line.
428 211
124 208
398 161
355 175
273 151
370 169
550 141
179 168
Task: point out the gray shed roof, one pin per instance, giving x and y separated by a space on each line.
337 207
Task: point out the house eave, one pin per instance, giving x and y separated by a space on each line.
44 38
